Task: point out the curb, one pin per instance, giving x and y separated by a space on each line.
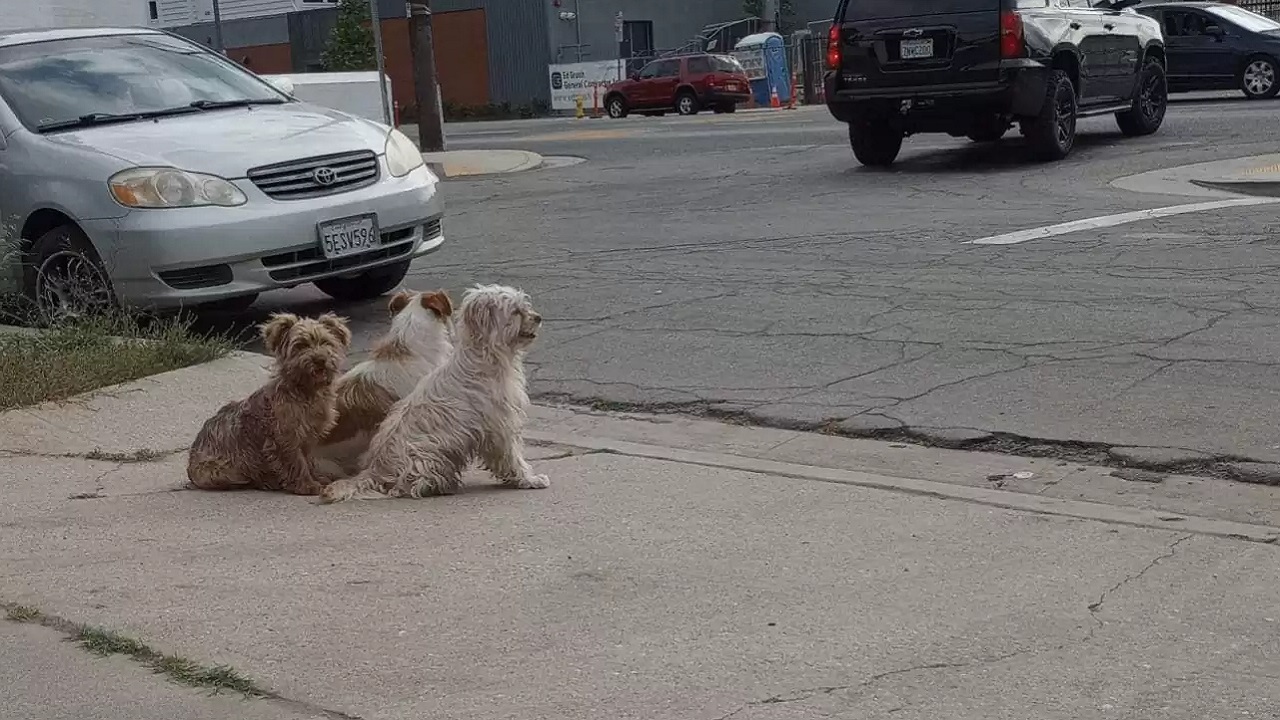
454 164
1262 188
1080 509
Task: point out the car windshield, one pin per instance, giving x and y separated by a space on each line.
1245 19
884 9
82 81
727 65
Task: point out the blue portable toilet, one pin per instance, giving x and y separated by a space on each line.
764 55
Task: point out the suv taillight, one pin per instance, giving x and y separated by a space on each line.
1012 43
833 47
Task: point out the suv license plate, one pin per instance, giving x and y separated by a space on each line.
348 236
916 49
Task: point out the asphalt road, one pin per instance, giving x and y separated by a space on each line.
747 265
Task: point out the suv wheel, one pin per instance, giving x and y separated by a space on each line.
875 143
687 103
1149 106
1258 79
616 106
1052 133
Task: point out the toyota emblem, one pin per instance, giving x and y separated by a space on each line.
325 176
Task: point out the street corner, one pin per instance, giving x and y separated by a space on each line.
479 163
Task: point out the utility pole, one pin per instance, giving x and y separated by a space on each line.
769 16
218 44
426 83
375 18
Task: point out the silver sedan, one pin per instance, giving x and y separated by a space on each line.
138 168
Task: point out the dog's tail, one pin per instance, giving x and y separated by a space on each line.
360 487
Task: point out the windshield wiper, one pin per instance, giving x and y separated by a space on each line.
101 118
215 104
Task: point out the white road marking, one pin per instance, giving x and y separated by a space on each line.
1106 221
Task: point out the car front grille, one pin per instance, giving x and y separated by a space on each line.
194 278
317 176
302 265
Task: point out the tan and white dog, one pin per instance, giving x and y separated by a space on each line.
419 341
471 407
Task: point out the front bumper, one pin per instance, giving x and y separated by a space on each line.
182 257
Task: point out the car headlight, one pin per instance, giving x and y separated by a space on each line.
403 157
148 188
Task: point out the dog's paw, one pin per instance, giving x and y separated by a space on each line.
535 482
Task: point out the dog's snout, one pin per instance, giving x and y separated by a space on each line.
536 318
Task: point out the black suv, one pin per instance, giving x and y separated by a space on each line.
975 67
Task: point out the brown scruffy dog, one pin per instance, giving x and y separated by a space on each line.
266 441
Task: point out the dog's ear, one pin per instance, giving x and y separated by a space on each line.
399 301
337 326
439 303
276 330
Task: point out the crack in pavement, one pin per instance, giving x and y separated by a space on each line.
1096 606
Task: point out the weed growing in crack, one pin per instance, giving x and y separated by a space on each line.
104 642
143 455
23 614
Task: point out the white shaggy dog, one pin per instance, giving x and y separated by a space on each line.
473 406
418 342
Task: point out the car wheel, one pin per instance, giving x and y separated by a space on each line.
64 277
1052 133
365 286
1150 106
729 108
1258 79
988 129
616 106
687 103
875 144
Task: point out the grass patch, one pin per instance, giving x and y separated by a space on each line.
23 613
101 641
143 455
78 356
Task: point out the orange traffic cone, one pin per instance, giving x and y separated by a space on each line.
774 101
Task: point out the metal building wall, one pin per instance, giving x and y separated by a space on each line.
519 51
675 23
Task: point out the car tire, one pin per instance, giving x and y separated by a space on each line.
64 278
988 130
875 144
727 108
687 103
616 107
1151 104
365 286
1052 134
1259 78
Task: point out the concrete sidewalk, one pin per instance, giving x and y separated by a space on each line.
676 569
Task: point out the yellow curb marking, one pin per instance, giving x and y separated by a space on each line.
1260 170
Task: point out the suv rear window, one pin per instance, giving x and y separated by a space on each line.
882 9
727 65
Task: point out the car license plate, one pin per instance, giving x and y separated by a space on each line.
916 49
349 236
731 87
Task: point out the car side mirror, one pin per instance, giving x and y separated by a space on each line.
1214 31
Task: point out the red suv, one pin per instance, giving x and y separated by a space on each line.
685 84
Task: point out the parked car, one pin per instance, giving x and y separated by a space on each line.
684 84
139 168
1212 46
975 68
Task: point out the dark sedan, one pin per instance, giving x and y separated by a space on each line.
1212 46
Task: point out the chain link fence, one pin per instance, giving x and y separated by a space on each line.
1270 8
